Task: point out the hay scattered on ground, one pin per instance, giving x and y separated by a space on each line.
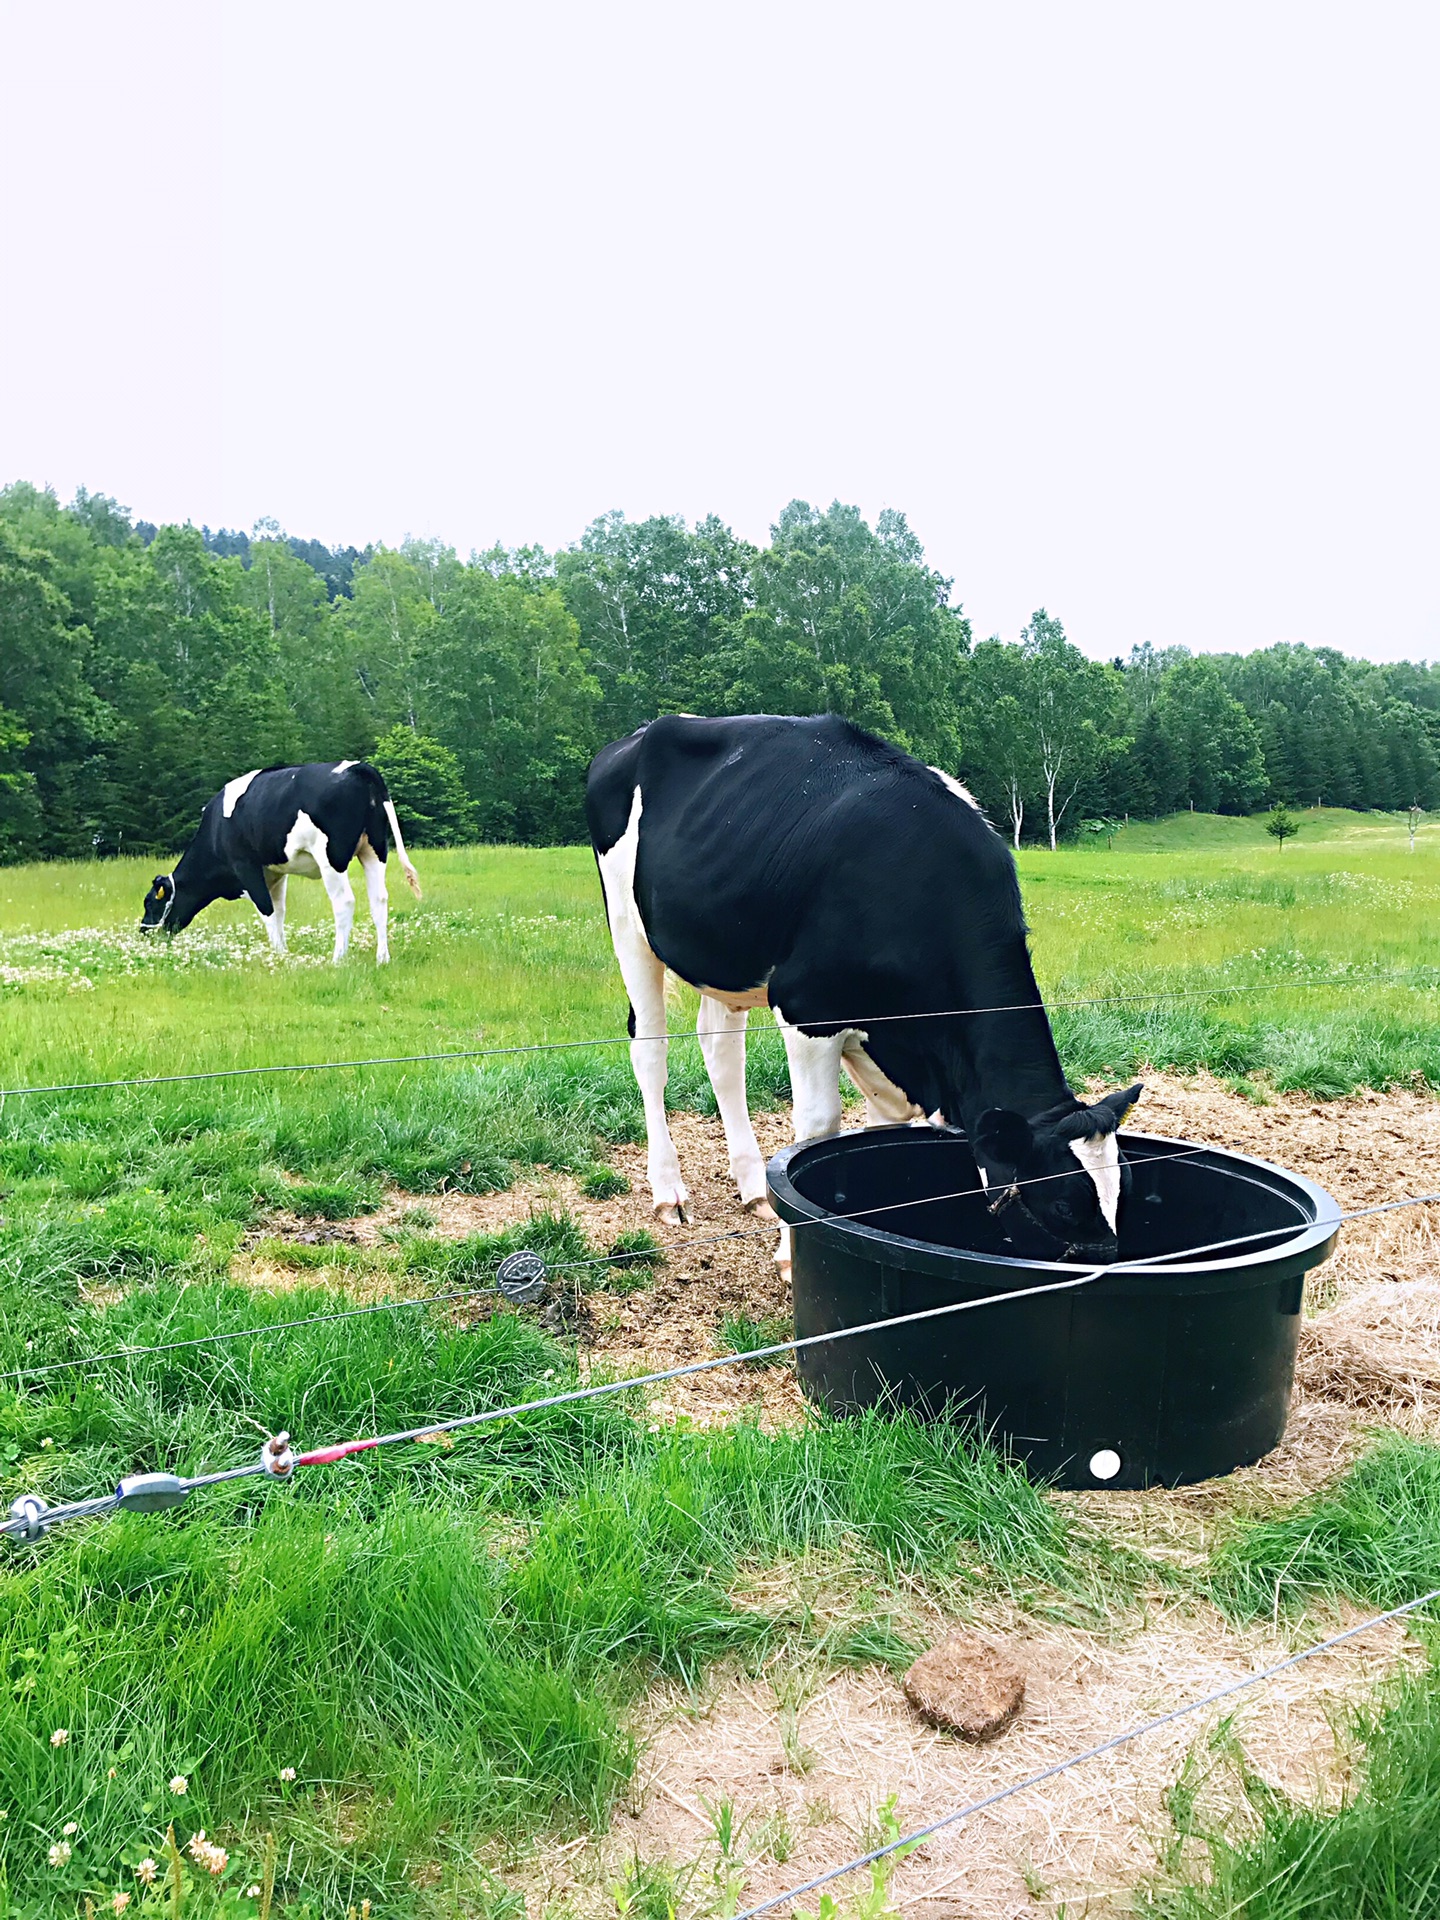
805 1762
1373 1350
805 1769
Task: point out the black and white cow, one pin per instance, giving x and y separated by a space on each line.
805 865
263 826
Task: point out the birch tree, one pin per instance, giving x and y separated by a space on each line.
1078 709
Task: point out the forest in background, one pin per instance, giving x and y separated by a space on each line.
141 667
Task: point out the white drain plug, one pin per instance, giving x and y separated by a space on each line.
1105 1464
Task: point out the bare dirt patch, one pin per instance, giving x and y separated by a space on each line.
1372 1354
806 1760
805 1778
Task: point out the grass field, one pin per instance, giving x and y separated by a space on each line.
444 1644
509 946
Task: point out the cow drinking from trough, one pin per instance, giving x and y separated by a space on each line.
263 826
808 866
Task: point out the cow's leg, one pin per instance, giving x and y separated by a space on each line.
644 976
342 903
643 972
885 1104
814 1081
275 924
814 1097
258 891
722 1042
373 868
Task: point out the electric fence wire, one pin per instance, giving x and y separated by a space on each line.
625 1039
625 1259
910 1840
30 1517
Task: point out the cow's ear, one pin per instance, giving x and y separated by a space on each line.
1121 1103
1003 1136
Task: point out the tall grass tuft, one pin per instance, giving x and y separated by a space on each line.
1376 1858
1374 1538
447 1663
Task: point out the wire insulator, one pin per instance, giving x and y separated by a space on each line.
150 1492
27 1515
277 1459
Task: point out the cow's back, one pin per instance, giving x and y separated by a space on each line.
344 799
755 828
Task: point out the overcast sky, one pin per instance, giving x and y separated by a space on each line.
1131 308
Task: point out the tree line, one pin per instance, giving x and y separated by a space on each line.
141 667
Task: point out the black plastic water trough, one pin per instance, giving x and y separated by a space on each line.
1169 1373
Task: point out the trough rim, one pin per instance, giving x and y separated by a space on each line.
1310 1244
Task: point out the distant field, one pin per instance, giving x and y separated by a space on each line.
509 946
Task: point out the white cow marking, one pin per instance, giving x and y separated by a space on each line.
885 1104
961 793
1100 1157
233 790
307 853
344 766
304 849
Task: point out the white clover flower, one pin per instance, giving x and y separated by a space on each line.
120 1902
148 1872
70 1826
60 1737
287 1773
206 1854
252 1893
60 1853
179 1784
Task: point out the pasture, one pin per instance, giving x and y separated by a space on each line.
490 1664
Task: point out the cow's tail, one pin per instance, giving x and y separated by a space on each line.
412 879
388 824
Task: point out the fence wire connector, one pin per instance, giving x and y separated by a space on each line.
278 1458
27 1517
520 1277
150 1492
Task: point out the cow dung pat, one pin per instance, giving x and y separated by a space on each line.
966 1687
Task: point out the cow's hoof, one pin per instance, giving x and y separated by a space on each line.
672 1213
761 1209
782 1254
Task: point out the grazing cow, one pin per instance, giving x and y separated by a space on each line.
311 820
805 865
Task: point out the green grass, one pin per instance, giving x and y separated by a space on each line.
1376 1858
445 1650
448 1639
1374 1538
509 947
743 1333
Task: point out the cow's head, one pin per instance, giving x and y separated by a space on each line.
1062 1171
159 908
